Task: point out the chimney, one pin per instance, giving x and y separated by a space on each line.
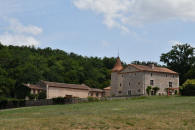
152 66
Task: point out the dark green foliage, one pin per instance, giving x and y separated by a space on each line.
3 102
11 103
155 89
59 100
92 99
33 96
20 65
148 90
181 59
188 88
42 95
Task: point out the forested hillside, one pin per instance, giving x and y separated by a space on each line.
20 65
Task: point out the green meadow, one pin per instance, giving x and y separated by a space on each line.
134 113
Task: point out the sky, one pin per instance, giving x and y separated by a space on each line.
140 29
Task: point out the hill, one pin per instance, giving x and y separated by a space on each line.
20 65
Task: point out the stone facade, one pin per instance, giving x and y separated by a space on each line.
134 79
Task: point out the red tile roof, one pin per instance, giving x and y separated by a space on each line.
64 85
153 69
32 86
118 66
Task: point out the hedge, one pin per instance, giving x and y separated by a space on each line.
11 103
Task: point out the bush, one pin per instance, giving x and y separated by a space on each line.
22 103
148 90
188 90
92 99
42 95
11 103
59 100
15 102
155 89
3 102
33 96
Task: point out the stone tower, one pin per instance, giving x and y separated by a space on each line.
116 79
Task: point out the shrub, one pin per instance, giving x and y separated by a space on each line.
22 102
33 96
155 89
42 95
176 92
15 102
3 102
148 90
188 90
59 100
92 99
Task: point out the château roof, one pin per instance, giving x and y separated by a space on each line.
118 66
95 90
64 85
107 88
32 86
153 68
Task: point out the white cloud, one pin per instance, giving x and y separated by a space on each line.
19 40
17 27
18 34
124 13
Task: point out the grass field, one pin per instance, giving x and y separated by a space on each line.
135 113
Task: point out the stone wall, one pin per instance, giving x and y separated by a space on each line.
161 80
116 83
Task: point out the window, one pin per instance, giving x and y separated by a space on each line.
120 84
119 92
97 94
129 84
166 75
138 90
138 83
151 74
170 84
129 92
151 82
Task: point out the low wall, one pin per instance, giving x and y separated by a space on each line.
43 102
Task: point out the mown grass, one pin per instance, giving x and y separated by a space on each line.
135 113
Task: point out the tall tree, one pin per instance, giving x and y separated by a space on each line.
180 59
